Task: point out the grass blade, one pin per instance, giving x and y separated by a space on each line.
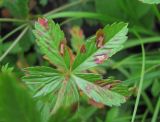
155 115
141 80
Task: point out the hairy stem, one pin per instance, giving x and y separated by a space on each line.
13 44
12 20
156 111
12 32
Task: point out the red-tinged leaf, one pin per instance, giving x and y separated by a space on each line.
98 93
100 48
77 38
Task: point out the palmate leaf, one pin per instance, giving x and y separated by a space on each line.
98 93
114 37
61 85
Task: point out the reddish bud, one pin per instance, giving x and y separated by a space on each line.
99 38
83 49
99 59
43 22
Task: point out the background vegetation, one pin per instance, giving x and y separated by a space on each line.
137 64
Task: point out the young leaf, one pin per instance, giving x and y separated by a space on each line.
6 69
16 105
77 38
99 94
113 38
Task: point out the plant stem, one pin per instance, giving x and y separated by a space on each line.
65 7
155 115
141 79
12 32
67 20
77 14
12 20
13 44
135 42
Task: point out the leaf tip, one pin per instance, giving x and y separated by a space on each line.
43 22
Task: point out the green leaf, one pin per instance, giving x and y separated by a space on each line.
150 1
115 36
99 94
67 94
89 76
42 80
49 39
113 85
46 82
155 88
45 111
16 105
6 45
18 8
59 87
112 115
115 8
26 41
